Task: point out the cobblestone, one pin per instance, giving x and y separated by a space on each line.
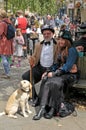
7 86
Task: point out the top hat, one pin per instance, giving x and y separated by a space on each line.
66 35
47 27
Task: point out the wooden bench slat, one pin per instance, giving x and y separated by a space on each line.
80 84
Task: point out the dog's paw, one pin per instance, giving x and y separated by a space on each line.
29 111
13 116
25 115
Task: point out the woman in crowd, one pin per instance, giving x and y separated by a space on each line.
6 46
51 90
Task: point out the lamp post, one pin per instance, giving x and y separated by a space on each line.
71 10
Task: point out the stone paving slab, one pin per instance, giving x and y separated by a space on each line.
8 86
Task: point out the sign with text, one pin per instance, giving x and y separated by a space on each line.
71 6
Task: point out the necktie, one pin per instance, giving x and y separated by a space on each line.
47 43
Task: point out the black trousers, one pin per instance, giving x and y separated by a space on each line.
37 72
51 90
25 44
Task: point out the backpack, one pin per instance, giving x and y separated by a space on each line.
10 31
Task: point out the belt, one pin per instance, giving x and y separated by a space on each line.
46 68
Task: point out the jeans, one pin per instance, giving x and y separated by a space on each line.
6 64
32 43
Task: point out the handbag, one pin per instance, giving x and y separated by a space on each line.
33 36
67 109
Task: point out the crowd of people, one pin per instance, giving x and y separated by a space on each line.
54 59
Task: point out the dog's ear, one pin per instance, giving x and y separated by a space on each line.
30 90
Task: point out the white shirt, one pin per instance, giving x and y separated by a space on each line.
16 22
46 58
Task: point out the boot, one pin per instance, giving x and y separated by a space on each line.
19 63
34 97
50 114
40 113
12 64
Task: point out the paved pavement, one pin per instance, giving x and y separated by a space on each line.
7 86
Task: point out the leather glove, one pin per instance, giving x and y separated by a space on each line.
58 72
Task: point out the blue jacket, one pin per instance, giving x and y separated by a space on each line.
70 60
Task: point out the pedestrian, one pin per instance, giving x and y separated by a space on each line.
6 46
42 58
22 23
54 82
80 44
33 36
63 27
18 47
13 19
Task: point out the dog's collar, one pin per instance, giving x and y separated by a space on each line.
25 91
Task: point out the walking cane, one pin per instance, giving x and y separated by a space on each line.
31 68
32 80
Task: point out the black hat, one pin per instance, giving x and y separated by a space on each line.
47 27
66 35
82 28
80 42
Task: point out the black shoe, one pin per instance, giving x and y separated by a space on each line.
50 114
40 113
35 102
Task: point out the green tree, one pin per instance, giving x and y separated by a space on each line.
38 6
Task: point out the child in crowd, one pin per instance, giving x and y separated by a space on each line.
18 47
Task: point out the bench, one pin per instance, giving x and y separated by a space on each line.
81 84
82 67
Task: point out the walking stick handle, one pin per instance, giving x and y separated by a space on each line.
31 74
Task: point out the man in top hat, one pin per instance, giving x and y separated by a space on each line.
81 43
42 58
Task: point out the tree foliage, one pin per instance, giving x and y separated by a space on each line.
38 6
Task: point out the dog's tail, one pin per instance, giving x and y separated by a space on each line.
2 113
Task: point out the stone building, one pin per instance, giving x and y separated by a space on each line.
83 11
77 9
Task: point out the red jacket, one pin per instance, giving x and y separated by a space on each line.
22 24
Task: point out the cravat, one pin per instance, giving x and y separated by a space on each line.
47 43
